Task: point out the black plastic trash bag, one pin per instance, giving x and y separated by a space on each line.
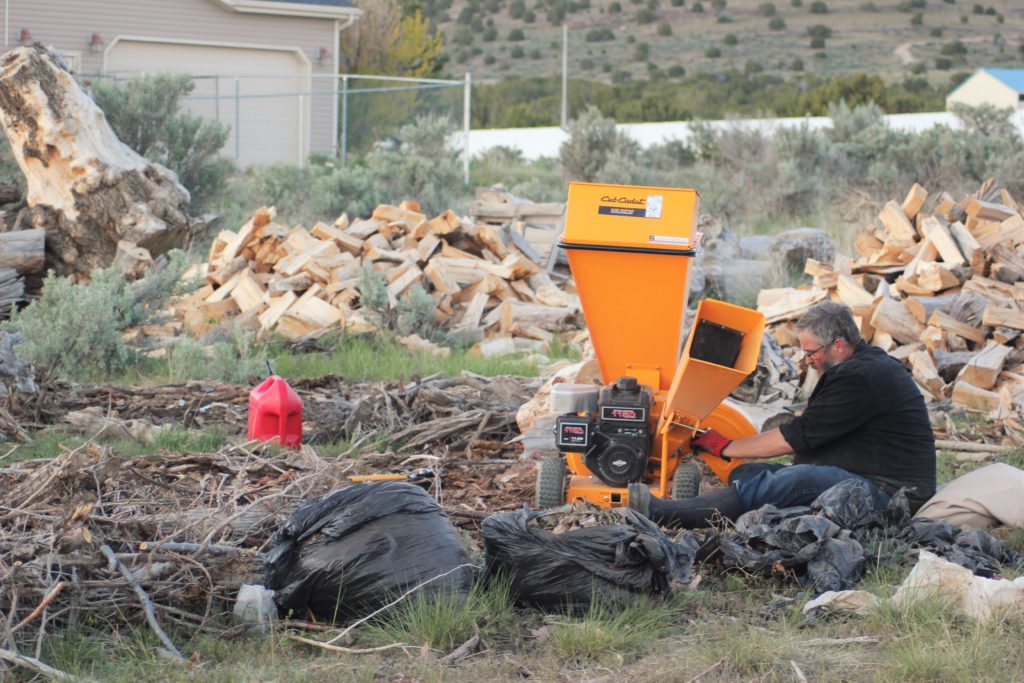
975 549
570 570
350 552
849 504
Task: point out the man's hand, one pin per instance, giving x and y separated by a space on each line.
711 442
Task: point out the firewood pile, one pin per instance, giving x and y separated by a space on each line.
298 283
939 284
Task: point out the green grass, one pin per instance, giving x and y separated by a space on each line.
607 632
443 622
381 358
48 443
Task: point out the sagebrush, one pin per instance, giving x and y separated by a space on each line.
74 331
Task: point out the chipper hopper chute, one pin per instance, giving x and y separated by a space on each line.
629 251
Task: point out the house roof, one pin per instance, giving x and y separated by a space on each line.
1013 78
324 9
328 3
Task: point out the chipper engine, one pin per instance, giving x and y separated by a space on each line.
629 250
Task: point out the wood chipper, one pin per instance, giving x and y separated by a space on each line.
629 250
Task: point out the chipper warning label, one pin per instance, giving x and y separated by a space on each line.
631 206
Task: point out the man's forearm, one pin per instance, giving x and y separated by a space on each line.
766 445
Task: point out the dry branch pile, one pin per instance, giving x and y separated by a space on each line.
941 289
297 282
185 530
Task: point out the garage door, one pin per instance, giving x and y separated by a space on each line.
254 91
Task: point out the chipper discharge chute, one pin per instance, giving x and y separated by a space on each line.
629 251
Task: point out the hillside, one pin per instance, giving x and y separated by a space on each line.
619 40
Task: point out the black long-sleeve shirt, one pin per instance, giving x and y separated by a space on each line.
867 416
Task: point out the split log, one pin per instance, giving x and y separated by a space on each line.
893 318
22 250
921 307
86 189
975 398
984 368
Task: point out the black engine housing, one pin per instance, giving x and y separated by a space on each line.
616 441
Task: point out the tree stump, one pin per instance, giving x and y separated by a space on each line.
85 187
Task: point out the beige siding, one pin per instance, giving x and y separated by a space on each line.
68 24
983 88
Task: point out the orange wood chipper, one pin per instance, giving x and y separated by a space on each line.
629 250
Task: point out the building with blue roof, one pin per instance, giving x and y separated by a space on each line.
1002 88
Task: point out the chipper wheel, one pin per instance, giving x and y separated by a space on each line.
550 483
686 482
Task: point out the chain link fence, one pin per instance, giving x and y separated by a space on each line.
285 118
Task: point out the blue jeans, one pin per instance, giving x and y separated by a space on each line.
790 485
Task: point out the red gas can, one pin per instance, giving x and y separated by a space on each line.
275 412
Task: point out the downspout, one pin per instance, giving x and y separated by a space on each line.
336 76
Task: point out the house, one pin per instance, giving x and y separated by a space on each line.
267 68
1003 88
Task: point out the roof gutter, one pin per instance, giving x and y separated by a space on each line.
293 9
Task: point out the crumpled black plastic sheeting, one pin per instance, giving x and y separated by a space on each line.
823 543
349 552
816 542
570 570
971 548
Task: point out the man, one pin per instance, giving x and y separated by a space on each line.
865 420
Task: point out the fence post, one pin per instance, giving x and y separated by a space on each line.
344 118
466 126
238 118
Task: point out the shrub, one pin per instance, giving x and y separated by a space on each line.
587 64
73 331
797 64
718 5
664 29
676 71
777 24
943 63
752 67
935 32
766 9
535 53
615 8
599 35
146 115
796 3
645 16
918 68
490 35
712 53
978 9
10 172
516 9
869 7
730 39
819 31
530 16
954 48
698 7
818 7
516 35
463 36
917 19
593 141
964 19
817 43
490 59
641 52
517 52
724 19
678 3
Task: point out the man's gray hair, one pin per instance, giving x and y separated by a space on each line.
829 321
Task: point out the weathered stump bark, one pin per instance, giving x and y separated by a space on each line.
86 188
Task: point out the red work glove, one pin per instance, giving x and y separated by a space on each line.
711 442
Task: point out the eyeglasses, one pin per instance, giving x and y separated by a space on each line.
808 353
